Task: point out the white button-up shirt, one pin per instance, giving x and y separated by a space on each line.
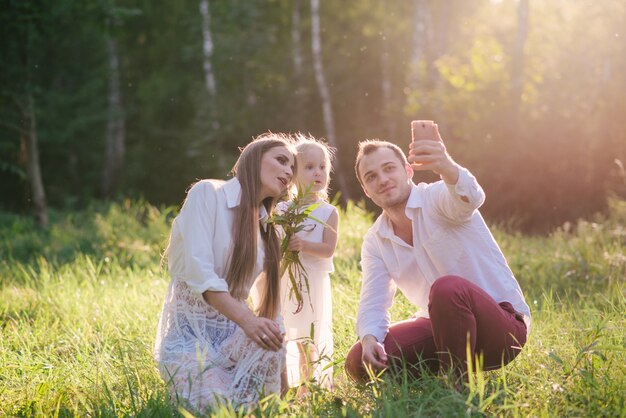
202 236
450 237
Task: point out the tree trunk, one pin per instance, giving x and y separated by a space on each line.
28 136
207 48
421 17
517 61
30 148
385 79
386 94
116 130
297 59
207 118
429 42
440 33
316 46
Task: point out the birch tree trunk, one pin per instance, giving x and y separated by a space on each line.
208 116
517 62
421 17
207 49
440 34
316 46
430 40
385 79
116 131
297 59
30 149
386 93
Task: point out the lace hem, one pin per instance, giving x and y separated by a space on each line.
207 359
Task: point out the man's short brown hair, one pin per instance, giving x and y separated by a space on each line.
370 145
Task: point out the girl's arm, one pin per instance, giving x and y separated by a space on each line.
324 249
263 331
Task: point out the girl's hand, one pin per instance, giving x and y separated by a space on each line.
295 243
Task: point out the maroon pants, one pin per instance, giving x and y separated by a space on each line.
462 315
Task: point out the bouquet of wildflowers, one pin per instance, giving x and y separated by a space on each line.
292 221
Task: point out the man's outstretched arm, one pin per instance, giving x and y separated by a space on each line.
462 194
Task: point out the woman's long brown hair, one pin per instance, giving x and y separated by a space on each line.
244 253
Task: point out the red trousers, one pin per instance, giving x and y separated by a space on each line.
461 315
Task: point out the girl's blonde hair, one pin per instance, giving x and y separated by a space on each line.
305 143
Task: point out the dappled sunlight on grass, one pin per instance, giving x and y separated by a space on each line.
77 326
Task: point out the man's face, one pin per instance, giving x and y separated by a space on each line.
385 178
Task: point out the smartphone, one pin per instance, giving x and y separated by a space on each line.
424 129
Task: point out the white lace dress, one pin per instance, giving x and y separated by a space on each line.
317 311
204 357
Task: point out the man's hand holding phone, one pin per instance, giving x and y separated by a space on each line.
427 151
424 130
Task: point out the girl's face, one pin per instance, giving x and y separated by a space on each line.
313 169
277 166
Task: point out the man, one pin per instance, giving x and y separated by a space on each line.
432 243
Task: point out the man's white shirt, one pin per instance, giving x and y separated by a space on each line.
450 237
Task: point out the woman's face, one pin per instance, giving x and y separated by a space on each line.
277 166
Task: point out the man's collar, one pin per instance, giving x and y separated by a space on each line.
382 226
416 199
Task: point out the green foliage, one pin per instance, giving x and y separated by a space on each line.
291 221
79 307
587 255
131 232
559 141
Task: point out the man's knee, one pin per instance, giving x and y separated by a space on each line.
446 287
354 363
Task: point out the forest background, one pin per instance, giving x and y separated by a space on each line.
110 109
139 98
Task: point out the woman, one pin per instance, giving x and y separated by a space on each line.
210 346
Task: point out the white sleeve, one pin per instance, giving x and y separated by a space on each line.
197 227
457 203
377 292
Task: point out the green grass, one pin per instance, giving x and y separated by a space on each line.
79 305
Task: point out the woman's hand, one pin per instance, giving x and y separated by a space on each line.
265 332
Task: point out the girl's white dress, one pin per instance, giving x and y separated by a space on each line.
317 311
204 357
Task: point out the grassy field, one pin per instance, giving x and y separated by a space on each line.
79 305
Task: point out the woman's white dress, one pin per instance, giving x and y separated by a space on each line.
204 357
317 312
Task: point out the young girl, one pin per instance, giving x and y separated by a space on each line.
316 244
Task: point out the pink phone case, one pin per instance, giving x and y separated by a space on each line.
424 129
